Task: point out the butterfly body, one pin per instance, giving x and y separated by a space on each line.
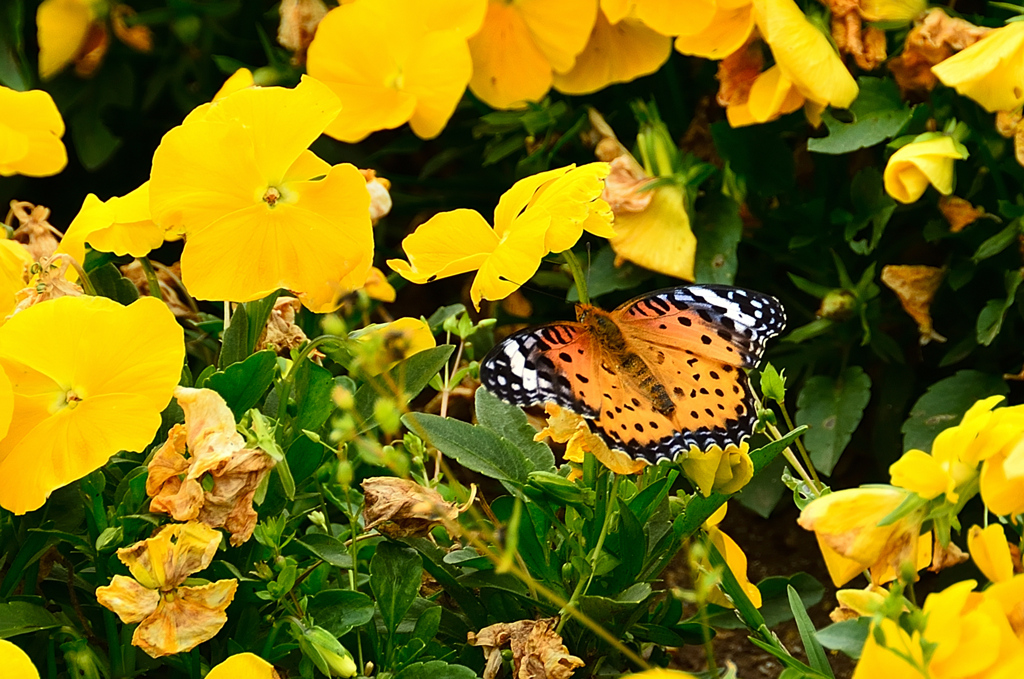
658 375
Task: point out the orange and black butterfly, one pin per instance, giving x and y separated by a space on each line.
659 374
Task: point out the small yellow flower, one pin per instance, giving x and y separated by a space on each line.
661 673
248 665
121 225
172 618
522 43
30 134
377 286
543 213
63 26
90 378
990 552
392 62
565 426
734 558
989 70
772 95
916 165
380 347
260 210
16 663
717 470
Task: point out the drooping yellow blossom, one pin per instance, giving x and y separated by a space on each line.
989 70
16 663
667 18
565 426
771 95
916 165
121 225
379 347
30 134
734 558
616 53
90 378
717 470
522 43
377 286
14 274
247 665
990 552
239 80
727 29
172 618
260 210
846 525
392 62
217 453
658 238
543 213
1002 472
63 26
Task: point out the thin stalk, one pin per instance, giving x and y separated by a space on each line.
800 446
227 315
577 274
83 277
151 279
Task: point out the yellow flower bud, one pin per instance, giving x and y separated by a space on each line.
919 163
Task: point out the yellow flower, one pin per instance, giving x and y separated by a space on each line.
380 347
246 665
726 31
990 552
522 43
734 558
616 53
661 673
90 378
772 95
63 26
919 163
14 274
30 134
546 212
377 286
1002 477
172 618
989 70
239 80
565 426
393 62
658 238
667 18
846 523
892 10
16 663
261 211
121 225
717 470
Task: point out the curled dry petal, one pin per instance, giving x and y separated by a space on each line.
185 618
177 551
299 19
179 497
137 36
537 651
281 334
380 199
916 287
131 601
933 39
34 229
959 212
51 282
401 508
624 186
946 557
169 280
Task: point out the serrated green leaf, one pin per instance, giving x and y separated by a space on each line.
395 578
832 409
474 447
509 422
879 113
944 405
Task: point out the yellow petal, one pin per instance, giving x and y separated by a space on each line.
669 17
382 346
509 69
728 30
990 552
574 201
559 29
447 244
185 618
737 562
660 237
773 95
437 74
840 569
561 426
14 263
246 665
177 551
16 663
901 656
239 80
988 71
90 378
120 225
130 600
615 53
62 26
921 473
514 201
377 286
891 10
1001 493
30 134
515 259
917 164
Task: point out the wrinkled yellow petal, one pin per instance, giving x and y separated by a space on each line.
62 26
211 435
509 69
989 70
176 551
447 244
724 471
574 202
522 194
892 10
660 237
616 53
239 80
14 263
120 225
384 345
921 473
728 30
990 552
917 164
562 424
247 665
90 378
515 259
185 618
131 601
1001 493
840 569
584 441
30 134
16 663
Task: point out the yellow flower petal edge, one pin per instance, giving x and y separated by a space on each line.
15 261
31 129
658 238
989 70
62 27
247 665
990 552
921 473
121 225
239 80
90 378
16 663
386 344
916 165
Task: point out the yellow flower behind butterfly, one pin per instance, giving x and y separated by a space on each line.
734 558
546 212
30 134
248 665
260 210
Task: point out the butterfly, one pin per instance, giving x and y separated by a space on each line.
659 374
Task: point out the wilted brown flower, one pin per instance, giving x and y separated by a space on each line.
34 229
400 508
959 212
94 49
932 40
299 19
169 279
137 36
380 199
281 334
537 651
916 287
215 448
1010 124
866 45
49 281
946 557
737 73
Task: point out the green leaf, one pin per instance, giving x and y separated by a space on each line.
329 548
509 422
473 447
21 617
618 613
872 207
243 384
944 405
312 393
427 624
435 669
109 283
235 340
339 611
15 72
990 320
402 383
604 277
998 242
775 606
94 142
832 409
395 578
815 653
878 113
718 228
847 636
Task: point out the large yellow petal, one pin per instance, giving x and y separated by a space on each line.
615 53
62 26
6 403
465 17
990 552
14 264
30 134
660 237
119 225
773 95
514 261
574 200
670 17
892 10
447 244
1001 493
436 74
177 551
368 108
246 665
921 473
16 663
509 68
185 619
901 656
522 194
726 33
560 28
989 70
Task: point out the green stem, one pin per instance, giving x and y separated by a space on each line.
577 273
110 628
800 447
151 279
83 278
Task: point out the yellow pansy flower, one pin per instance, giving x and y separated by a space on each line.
734 558
522 43
172 618
667 18
90 378
63 26
661 673
728 28
546 212
616 53
717 470
248 665
16 663
989 70
14 274
846 523
121 225
392 62
990 552
30 134
239 80
916 165
261 211
379 347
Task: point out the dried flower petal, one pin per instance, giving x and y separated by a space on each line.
400 508
380 199
281 334
137 36
169 280
34 230
185 618
916 287
959 212
299 19
933 39
537 651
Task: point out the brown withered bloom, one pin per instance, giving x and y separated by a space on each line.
537 651
281 334
299 19
49 281
623 187
866 44
34 230
916 287
136 36
946 557
934 38
400 508
959 213
380 198
737 73
169 279
1010 124
215 448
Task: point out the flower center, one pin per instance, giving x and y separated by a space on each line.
71 399
272 195
396 81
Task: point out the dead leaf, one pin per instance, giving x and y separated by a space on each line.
537 651
281 334
916 286
49 281
299 19
959 212
34 229
946 557
934 38
400 508
169 280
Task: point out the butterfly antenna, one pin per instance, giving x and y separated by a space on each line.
532 288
